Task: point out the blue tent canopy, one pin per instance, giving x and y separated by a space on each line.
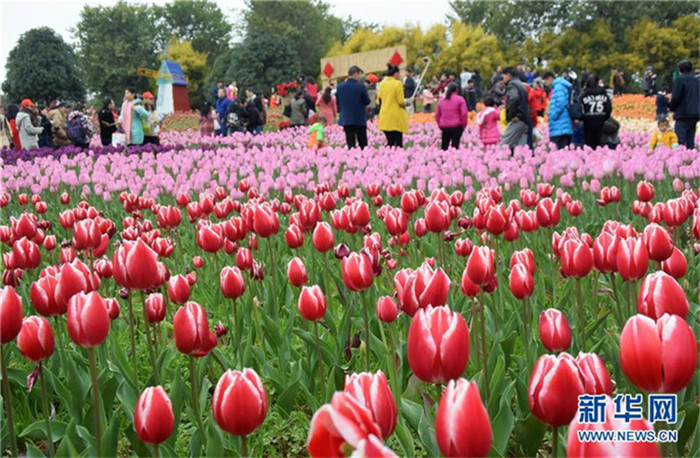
172 72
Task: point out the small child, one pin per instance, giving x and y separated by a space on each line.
487 120
428 101
664 136
316 134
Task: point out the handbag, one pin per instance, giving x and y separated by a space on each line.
118 139
575 109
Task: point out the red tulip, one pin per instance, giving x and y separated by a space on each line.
23 199
10 314
438 344
265 220
113 308
86 234
480 266
576 258
437 216
191 330
35 339
26 254
357 272
521 282
420 228
323 237
462 426
660 293
548 212
67 254
658 242
293 236
554 388
496 220
676 265
396 221
555 332
24 226
421 288
232 282
595 376
135 266
345 420
409 202
524 257
296 272
632 259
88 319
239 405
154 419
658 356
209 238
360 213
169 216
155 308
74 277
387 309
43 296
645 191
545 189
372 447
178 289
64 198
605 248
463 247
577 449
312 303
373 391
244 258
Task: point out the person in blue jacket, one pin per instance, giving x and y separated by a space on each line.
352 100
560 126
222 105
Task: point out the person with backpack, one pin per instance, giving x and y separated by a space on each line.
236 117
80 129
597 108
560 127
28 125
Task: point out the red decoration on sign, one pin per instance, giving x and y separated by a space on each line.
396 59
328 70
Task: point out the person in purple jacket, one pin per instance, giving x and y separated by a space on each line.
451 117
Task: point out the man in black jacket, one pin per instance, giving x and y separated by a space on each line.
252 98
685 104
517 110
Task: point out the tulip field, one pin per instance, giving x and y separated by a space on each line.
246 296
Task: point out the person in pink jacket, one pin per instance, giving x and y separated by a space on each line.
487 120
326 106
451 116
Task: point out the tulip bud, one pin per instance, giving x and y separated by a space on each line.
372 390
178 289
10 314
658 356
191 330
480 266
312 303
555 332
462 426
154 419
387 310
676 265
438 344
357 272
632 259
88 319
595 376
554 388
239 404
36 339
113 309
296 272
521 282
232 282
155 308
660 293
323 237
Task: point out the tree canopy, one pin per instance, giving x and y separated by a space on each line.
42 67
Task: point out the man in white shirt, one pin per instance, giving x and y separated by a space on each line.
464 78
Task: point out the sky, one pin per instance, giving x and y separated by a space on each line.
17 17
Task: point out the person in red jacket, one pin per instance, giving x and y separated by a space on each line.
537 99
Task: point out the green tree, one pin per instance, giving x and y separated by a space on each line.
218 72
200 22
307 26
194 64
261 61
112 42
42 67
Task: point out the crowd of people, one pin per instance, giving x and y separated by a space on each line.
29 125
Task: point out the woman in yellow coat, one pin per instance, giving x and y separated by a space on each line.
393 117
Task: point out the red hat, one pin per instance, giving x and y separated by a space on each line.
27 103
372 78
148 95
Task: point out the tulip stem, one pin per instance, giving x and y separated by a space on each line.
526 331
390 346
631 288
193 394
273 302
555 441
235 332
580 324
618 313
244 446
319 355
366 315
149 344
47 411
7 395
156 451
95 401
483 342
132 324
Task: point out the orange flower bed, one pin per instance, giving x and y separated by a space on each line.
634 106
